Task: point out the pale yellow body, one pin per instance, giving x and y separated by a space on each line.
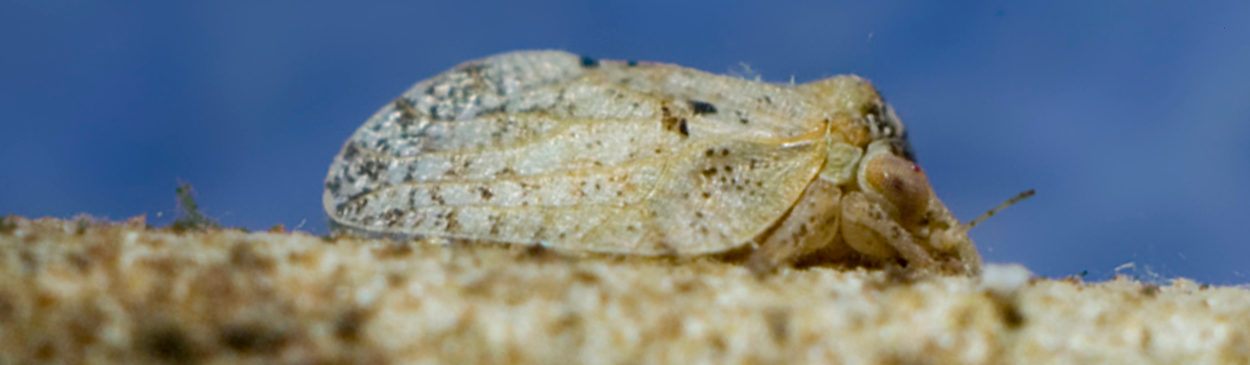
547 148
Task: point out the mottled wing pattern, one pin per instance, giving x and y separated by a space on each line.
551 148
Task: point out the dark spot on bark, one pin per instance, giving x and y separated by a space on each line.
681 127
244 257
252 338
395 249
709 172
589 62
349 324
586 276
8 224
167 342
81 226
540 252
701 107
6 307
1007 310
778 323
486 193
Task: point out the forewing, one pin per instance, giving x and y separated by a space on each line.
713 197
542 147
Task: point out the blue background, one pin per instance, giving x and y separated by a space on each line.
1131 119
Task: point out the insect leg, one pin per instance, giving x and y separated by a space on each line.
811 225
867 228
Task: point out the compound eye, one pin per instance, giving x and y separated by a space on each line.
902 183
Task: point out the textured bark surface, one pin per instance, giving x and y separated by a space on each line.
76 291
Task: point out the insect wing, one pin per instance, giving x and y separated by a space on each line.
542 147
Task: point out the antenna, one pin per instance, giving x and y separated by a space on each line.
1015 199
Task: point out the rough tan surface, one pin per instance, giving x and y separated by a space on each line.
75 292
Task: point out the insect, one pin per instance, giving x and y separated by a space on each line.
576 154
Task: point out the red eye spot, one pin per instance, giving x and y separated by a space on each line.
916 168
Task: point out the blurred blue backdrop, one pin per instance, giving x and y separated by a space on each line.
1131 119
